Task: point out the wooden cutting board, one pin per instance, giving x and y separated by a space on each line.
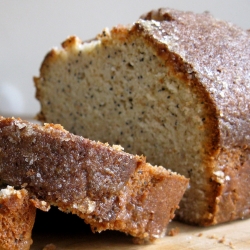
233 235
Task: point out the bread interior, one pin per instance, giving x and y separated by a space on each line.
120 91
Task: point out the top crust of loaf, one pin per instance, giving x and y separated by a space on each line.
214 53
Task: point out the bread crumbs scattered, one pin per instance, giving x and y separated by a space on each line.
174 231
220 240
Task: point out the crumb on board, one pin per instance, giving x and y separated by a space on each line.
50 247
231 245
222 240
212 237
174 231
199 234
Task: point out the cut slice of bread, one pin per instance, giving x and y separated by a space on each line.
17 217
108 188
175 87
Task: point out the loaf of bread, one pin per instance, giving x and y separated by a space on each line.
108 188
174 86
17 216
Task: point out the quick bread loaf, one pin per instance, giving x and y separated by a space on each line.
108 188
174 86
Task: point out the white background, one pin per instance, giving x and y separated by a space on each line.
30 28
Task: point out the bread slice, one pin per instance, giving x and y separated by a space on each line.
17 217
108 188
175 87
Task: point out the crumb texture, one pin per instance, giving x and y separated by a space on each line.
17 216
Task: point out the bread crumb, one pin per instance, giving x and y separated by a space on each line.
50 247
200 234
42 205
222 240
118 147
174 231
231 245
212 237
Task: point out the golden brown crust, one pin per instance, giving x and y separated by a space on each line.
216 53
232 181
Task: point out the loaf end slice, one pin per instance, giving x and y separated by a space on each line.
17 217
108 188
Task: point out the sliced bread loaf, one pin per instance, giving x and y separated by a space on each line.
175 87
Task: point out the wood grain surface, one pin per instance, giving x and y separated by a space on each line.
233 235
